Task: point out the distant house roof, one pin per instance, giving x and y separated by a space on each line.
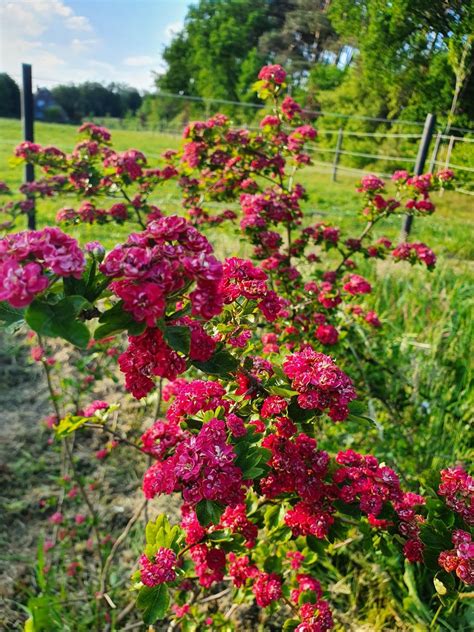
44 101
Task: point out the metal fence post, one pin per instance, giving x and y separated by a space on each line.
434 155
337 153
449 152
420 164
27 115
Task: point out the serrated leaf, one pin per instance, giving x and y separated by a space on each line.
59 319
357 407
209 512
282 391
69 424
154 602
298 414
115 320
221 363
178 338
9 314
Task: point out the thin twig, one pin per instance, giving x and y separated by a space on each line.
218 595
116 546
86 499
115 434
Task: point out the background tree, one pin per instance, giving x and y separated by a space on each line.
94 99
402 67
304 39
9 97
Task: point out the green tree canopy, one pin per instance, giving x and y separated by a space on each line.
9 97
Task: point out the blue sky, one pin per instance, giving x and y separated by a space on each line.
78 40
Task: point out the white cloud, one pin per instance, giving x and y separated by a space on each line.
79 46
36 32
78 23
64 47
139 61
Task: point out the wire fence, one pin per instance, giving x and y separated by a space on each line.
351 151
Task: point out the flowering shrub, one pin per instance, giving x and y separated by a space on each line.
241 439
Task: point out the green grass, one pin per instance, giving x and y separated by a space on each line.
448 232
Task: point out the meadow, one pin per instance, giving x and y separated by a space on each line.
427 338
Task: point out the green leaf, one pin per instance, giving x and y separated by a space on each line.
59 319
222 363
115 320
298 414
154 602
69 424
282 391
178 338
9 314
357 407
209 512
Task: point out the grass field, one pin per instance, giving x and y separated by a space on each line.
448 232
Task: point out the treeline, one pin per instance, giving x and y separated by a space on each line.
398 59
72 103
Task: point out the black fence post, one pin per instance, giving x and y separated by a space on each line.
425 141
337 154
28 117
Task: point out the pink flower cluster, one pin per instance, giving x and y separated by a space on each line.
148 356
320 383
242 278
201 467
315 617
415 252
162 261
90 214
193 397
95 132
373 485
298 467
327 334
266 588
461 558
270 207
322 233
370 184
355 284
235 519
457 489
160 570
128 164
161 438
209 563
364 479
273 74
90 411
26 258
